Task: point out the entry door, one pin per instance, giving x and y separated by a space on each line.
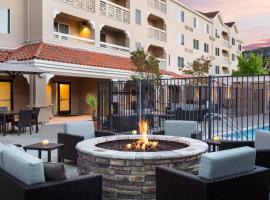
5 94
64 100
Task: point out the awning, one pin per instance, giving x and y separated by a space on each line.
16 69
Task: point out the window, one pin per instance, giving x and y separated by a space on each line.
217 52
182 16
196 44
138 17
4 21
138 45
233 41
5 94
217 70
102 37
206 48
240 47
180 62
182 40
195 23
61 28
207 29
217 33
233 57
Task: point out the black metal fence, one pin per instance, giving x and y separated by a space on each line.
232 108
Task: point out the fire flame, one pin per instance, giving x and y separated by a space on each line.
143 143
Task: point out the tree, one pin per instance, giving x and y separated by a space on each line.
146 67
252 65
199 67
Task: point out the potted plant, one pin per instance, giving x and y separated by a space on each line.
91 101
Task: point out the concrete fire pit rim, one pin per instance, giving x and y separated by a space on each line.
196 147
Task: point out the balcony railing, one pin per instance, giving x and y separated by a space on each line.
158 5
114 11
114 47
73 39
162 63
226 43
157 34
82 4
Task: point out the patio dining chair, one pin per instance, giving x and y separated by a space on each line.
25 121
34 118
2 123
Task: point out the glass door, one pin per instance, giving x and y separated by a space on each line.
64 100
5 94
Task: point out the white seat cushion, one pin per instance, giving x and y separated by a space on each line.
81 128
180 128
2 148
227 162
262 140
23 166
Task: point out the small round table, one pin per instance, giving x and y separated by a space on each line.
214 145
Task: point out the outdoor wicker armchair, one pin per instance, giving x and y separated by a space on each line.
76 132
88 187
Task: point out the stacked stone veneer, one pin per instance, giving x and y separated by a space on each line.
133 176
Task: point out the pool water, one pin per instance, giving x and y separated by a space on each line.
248 134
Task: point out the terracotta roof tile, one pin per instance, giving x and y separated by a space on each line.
56 53
230 24
4 54
210 14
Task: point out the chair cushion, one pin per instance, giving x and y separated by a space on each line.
262 140
23 166
180 128
81 128
227 162
2 148
54 172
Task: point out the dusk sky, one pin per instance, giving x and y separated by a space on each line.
252 17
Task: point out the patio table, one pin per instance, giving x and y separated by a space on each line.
5 115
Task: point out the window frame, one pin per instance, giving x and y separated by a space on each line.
8 28
180 62
138 21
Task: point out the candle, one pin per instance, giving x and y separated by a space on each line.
216 139
134 132
45 142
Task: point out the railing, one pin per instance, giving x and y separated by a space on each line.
114 11
157 34
162 63
114 47
158 5
82 4
73 39
226 60
226 43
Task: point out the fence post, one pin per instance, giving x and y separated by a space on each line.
98 111
110 105
209 107
140 100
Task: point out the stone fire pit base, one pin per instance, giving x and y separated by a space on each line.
131 175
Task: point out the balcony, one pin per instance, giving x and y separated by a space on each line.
88 5
226 43
160 54
156 28
225 60
72 30
114 39
114 11
162 63
157 5
157 34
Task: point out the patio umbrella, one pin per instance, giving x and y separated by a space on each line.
16 69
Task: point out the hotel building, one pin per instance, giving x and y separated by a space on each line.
79 42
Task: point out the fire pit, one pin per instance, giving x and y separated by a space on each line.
128 162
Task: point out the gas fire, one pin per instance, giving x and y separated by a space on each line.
143 143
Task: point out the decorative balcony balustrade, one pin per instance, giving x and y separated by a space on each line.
82 4
158 5
162 63
114 47
226 43
226 60
114 11
157 34
70 39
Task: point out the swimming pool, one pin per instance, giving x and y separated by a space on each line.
247 134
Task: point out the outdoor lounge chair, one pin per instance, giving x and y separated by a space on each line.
22 177
261 144
75 132
224 175
181 129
